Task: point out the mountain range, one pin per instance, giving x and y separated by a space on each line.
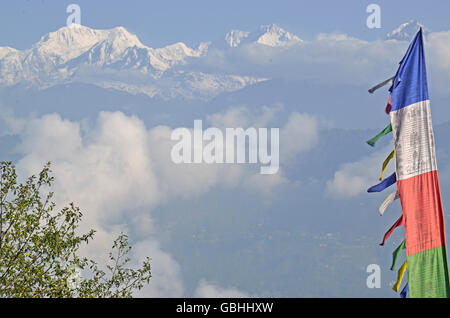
117 59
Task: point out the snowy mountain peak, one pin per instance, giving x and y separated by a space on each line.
116 59
234 37
272 28
5 50
69 52
121 35
80 36
70 42
180 50
269 35
273 35
407 31
67 43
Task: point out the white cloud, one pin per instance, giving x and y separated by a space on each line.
178 180
299 134
265 184
232 117
353 179
328 59
132 165
117 171
166 278
241 116
437 54
13 125
107 170
206 289
438 48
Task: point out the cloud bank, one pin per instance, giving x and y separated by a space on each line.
118 171
327 59
354 178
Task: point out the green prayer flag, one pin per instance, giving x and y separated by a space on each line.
384 132
396 254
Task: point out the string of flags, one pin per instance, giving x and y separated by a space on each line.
416 179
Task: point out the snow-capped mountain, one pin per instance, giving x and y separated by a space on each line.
6 50
234 37
269 35
117 59
111 58
119 49
407 31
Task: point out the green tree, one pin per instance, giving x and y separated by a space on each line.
39 247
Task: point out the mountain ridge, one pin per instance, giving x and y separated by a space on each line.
116 58
111 58
269 35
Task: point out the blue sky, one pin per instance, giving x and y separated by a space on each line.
159 23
